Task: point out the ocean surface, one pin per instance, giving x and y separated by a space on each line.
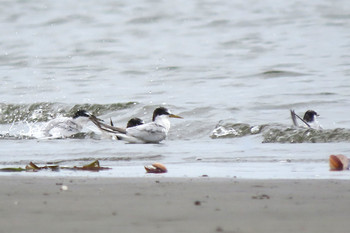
232 69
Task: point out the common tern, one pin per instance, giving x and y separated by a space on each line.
152 132
309 120
62 127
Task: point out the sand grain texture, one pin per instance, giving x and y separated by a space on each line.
32 204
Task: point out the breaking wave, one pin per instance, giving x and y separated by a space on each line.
41 112
23 121
234 130
297 135
280 134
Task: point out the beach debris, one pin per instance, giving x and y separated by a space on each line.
32 167
64 188
338 162
12 169
197 203
156 168
94 166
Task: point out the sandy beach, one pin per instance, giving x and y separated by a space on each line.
36 204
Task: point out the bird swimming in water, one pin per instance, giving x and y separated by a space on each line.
134 122
152 132
62 127
309 120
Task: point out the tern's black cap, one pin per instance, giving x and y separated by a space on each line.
81 113
309 115
134 122
160 111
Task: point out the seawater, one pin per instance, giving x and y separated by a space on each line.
232 69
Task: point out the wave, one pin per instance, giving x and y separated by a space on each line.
279 74
44 111
24 121
31 134
234 130
7 136
299 135
275 133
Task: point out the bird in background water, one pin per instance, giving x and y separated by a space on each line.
308 121
62 127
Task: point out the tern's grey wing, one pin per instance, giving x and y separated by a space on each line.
61 123
294 118
149 133
105 127
69 126
129 139
61 127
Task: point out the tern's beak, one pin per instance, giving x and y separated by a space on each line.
175 116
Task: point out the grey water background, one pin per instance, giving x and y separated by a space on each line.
234 65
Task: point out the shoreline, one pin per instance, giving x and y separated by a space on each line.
161 204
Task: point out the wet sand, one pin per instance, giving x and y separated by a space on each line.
36 204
